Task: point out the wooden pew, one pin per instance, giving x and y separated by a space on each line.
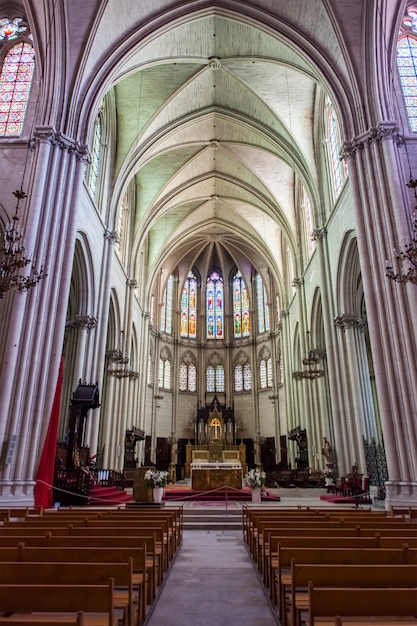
341 576
53 600
78 620
142 577
73 573
395 607
333 556
271 558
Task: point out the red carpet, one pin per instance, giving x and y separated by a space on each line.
174 492
108 496
360 499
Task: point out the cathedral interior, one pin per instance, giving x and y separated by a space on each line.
213 238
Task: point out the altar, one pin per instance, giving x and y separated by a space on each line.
214 475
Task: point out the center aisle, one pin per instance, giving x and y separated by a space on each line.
212 583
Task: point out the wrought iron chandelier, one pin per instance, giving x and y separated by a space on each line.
312 371
406 258
14 257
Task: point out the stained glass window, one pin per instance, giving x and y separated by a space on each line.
188 323
214 302
121 228
188 377
335 163
241 317
407 68
265 372
215 379
11 29
166 310
243 377
15 83
263 308
309 224
96 151
164 374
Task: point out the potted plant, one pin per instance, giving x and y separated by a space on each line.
328 475
255 479
157 479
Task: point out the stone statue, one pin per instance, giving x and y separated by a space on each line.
327 451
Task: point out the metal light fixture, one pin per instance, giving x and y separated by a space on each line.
312 371
14 257
406 258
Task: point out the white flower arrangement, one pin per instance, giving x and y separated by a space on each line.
254 478
328 472
156 478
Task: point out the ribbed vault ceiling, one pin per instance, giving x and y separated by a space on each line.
215 122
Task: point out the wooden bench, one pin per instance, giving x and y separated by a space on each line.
333 556
51 601
340 576
78 620
77 573
143 567
360 606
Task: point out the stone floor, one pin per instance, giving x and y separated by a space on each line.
212 581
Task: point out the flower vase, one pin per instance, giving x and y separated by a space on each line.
158 492
328 481
256 495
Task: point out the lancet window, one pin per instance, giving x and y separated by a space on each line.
164 373
243 377
214 306
166 309
263 308
241 317
215 379
96 154
188 377
265 372
407 65
188 323
16 77
337 167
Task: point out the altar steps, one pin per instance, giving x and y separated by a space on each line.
212 519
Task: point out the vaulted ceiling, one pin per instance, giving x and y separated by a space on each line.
215 125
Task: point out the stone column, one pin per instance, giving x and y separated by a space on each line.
382 213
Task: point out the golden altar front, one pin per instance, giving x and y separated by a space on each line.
207 476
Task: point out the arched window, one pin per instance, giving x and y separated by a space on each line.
407 65
308 224
243 377
263 309
337 167
96 154
188 323
166 310
215 379
121 229
188 377
265 372
16 77
241 317
164 373
214 304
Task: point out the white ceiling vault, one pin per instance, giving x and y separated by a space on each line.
215 124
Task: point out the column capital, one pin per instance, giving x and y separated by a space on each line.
48 134
319 233
111 236
298 281
83 322
348 320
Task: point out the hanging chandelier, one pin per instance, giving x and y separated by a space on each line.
406 258
311 361
14 257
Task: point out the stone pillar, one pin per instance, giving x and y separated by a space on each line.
382 214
